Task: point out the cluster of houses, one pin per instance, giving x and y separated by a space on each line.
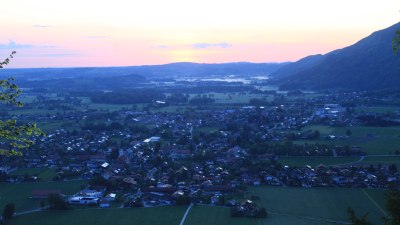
345 176
162 158
212 182
95 195
248 208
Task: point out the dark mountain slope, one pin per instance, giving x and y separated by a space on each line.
368 64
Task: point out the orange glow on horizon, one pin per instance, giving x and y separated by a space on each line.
76 33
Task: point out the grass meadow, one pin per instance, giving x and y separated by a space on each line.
289 206
20 193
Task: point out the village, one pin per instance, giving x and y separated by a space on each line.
149 158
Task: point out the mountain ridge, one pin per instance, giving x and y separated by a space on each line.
166 70
368 64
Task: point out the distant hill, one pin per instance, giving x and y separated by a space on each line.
172 70
85 83
368 64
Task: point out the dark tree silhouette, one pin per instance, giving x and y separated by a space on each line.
396 42
8 211
357 221
393 207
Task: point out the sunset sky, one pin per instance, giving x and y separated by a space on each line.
72 33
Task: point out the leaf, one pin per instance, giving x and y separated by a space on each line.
16 137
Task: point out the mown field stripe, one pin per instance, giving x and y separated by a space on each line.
310 218
374 202
186 213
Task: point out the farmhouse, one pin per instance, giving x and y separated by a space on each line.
152 139
83 200
95 192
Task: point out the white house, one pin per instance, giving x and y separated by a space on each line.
83 200
152 139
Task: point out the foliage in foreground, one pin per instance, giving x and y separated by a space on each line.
56 201
393 207
396 42
15 136
357 221
8 211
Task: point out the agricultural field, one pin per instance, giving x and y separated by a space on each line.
291 206
374 140
20 193
383 160
27 97
221 216
35 111
88 104
306 95
44 174
171 109
143 216
109 107
195 108
377 109
24 98
320 203
53 125
212 215
234 97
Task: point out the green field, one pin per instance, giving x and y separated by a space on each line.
315 160
304 96
109 107
139 216
44 174
35 111
212 215
53 125
383 160
206 130
374 140
171 109
377 109
20 193
26 98
199 215
234 97
289 206
87 103
241 98
320 203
